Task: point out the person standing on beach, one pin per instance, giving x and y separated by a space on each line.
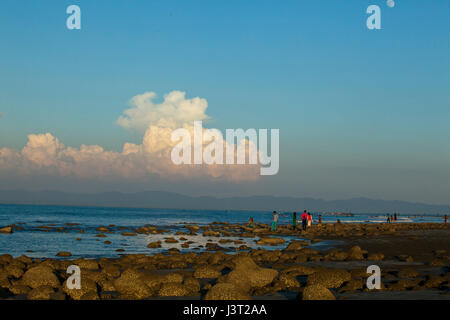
388 219
395 217
274 221
309 219
304 219
251 222
294 221
320 219
445 219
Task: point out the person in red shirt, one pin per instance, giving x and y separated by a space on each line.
304 219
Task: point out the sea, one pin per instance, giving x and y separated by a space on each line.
37 241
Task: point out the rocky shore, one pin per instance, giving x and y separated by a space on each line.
413 258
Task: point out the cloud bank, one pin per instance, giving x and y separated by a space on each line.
44 154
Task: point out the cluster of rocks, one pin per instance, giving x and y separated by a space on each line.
206 275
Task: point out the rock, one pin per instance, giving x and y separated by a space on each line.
130 283
226 291
288 281
299 270
316 240
14 271
375 257
6 230
211 233
171 240
172 290
248 275
107 242
270 241
129 234
63 254
156 244
19 289
58 295
207 272
102 229
192 285
111 271
329 278
87 285
355 253
317 292
40 293
40 276
294 245
87 264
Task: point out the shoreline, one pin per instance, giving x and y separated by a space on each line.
412 257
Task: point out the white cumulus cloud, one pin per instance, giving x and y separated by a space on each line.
45 154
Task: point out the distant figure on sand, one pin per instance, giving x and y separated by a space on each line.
251 222
294 221
274 221
388 219
309 219
445 219
395 217
304 219
320 219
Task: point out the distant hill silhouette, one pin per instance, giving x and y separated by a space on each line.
160 199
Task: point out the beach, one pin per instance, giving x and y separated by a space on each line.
222 260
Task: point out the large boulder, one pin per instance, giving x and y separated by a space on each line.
40 276
329 278
131 284
226 291
317 292
87 285
247 275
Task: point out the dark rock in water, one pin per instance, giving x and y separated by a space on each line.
64 254
120 250
6 230
171 240
107 242
129 234
317 292
156 244
270 241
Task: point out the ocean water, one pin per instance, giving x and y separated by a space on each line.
34 242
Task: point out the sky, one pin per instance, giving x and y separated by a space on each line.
360 112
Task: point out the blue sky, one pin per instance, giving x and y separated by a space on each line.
360 112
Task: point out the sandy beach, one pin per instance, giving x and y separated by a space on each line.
413 258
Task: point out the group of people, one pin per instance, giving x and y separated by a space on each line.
391 218
305 219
